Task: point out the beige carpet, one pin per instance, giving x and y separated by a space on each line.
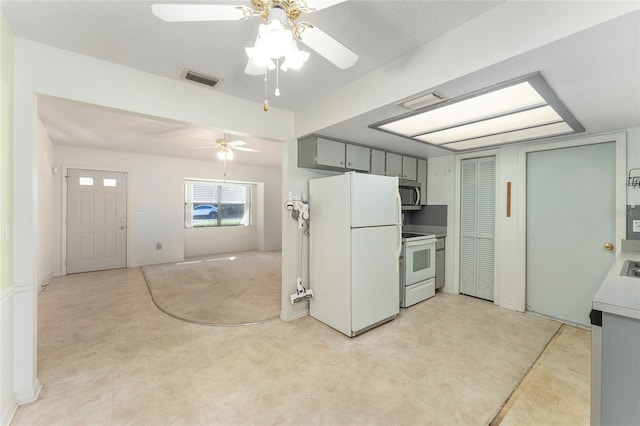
557 389
229 289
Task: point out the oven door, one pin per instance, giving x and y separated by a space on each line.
419 261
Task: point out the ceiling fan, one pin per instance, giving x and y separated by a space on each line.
225 146
275 39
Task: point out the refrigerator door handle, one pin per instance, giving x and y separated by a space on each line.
399 251
399 225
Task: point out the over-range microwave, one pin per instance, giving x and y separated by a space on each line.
409 194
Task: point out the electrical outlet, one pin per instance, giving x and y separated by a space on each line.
636 226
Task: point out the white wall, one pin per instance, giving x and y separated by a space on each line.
441 190
297 182
48 233
155 204
633 162
41 69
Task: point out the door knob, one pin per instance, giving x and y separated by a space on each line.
608 246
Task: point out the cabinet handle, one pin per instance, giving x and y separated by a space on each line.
349 163
342 162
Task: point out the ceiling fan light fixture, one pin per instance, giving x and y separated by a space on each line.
274 39
295 58
225 154
259 57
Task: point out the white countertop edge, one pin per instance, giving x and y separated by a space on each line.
616 310
619 295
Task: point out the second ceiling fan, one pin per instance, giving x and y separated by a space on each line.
225 147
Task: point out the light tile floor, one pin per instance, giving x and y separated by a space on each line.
107 355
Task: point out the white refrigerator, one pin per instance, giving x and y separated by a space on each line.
355 241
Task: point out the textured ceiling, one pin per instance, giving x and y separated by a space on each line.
127 33
593 71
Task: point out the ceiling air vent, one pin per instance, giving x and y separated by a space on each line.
200 78
422 101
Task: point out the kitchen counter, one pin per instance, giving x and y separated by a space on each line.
438 231
620 295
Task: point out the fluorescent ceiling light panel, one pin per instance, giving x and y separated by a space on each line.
504 123
517 110
517 135
490 104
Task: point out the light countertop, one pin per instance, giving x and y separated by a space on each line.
618 294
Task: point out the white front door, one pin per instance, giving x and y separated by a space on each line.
96 220
570 216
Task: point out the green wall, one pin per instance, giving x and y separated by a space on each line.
6 153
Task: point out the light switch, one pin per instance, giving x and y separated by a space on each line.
636 226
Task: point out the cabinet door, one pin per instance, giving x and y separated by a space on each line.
377 162
330 153
394 165
358 158
422 179
439 269
409 168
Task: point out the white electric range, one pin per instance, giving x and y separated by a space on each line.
417 268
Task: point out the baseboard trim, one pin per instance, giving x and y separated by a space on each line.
511 307
45 282
9 411
294 315
26 396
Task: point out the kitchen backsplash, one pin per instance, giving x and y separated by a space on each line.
633 213
430 215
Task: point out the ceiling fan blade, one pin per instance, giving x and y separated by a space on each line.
334 51
201 12
242 148
205 141
308 6
203 147
236 143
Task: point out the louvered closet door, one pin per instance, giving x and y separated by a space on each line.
468 229
486 224
477 245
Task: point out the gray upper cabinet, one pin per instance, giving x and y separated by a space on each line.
320 153
316 152
358 158
330 153
422 180
394 165
409 168
377 162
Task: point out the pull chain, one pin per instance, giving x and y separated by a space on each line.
265 106
277 93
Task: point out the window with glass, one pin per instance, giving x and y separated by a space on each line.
211 203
